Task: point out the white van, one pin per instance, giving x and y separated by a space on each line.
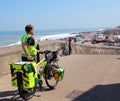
100 36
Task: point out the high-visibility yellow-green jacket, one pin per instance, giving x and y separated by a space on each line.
31 48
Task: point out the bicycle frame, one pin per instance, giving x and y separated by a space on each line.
44 61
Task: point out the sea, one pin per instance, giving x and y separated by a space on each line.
10 38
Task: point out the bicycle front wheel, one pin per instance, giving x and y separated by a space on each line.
49 77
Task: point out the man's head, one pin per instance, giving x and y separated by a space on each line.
29 29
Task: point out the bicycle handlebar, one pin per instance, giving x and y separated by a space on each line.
45 52
49 51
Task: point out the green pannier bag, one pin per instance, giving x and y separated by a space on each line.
59 73
29 74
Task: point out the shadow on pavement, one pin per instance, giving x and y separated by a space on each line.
13 96
101 93
7 93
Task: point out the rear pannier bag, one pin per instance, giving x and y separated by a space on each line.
28 71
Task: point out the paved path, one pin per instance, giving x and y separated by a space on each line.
87 78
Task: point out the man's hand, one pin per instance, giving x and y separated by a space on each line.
38 51
29 57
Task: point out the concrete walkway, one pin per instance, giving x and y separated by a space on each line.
87 78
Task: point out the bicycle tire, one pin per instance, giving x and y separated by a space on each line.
29 95
47 76
25 94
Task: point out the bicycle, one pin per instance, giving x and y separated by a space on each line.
50 71
66 48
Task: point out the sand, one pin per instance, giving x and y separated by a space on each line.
88 77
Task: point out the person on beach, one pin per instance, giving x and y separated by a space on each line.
69 45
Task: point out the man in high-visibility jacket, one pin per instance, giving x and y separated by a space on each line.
29 50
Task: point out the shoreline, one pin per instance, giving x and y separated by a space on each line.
63 34
51 36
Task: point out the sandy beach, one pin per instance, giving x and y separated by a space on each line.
87 77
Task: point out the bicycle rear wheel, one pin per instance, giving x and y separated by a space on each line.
49 77
25 94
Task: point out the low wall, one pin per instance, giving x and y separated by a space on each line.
13 53
95 50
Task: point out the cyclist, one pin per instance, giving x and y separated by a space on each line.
29 50
28 44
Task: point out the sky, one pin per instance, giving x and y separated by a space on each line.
59 14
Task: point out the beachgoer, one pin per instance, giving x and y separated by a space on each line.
69 45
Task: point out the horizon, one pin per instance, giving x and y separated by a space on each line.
55 29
